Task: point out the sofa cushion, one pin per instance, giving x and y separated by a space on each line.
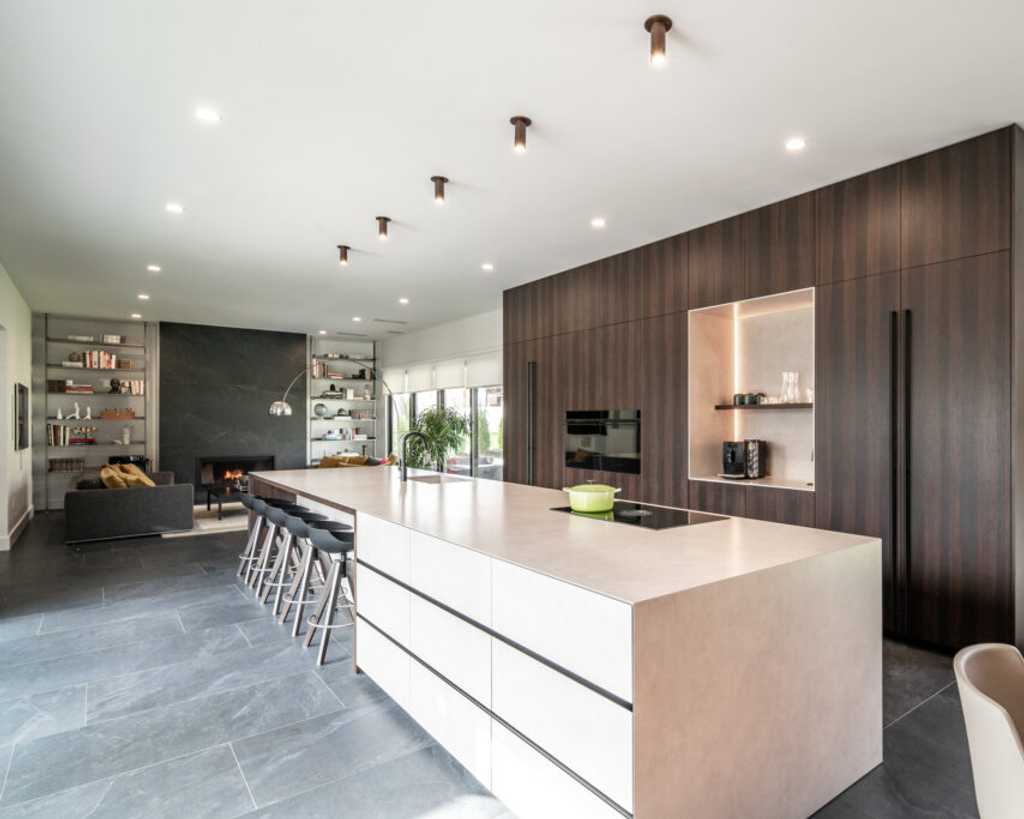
112 478
133 476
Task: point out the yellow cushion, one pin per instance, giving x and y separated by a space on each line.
112 478
337 461
133 476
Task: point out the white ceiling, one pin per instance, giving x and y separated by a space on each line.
335 112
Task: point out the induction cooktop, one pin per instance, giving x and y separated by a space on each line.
644 516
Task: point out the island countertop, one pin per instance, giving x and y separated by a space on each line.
514 523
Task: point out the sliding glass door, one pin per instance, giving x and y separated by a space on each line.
488 433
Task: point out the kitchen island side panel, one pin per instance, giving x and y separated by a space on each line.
760 695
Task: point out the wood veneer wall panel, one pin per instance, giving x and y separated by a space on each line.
956 201
780 505
858 222
719 498
1017 367
781 255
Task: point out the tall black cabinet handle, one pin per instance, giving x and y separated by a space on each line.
894 459
531 418
907 449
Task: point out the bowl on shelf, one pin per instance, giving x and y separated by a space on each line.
320 410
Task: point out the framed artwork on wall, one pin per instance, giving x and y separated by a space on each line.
20 416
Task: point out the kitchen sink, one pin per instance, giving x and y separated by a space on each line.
438 479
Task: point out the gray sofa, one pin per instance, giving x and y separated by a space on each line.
105 514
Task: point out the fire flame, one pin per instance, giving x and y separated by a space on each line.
233 474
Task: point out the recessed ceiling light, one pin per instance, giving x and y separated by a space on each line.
597 222
206 114
357 318
136 315
403 300
658 26
153 268
174 207
143 296
487 267
322 332
796 144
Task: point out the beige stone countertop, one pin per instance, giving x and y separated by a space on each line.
514 522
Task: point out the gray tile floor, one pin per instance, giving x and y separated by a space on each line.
139 680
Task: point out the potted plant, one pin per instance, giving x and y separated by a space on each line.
445 429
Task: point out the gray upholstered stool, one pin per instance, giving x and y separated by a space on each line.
302 581
337 546
274 526
285 561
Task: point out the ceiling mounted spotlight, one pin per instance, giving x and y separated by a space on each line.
658 26
439 183
136 316
382 228
796 144
153 268
521 124
343 255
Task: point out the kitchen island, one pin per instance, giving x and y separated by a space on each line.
582 667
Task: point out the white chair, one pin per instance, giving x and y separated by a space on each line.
990 677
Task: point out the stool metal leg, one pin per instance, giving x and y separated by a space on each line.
297 595
260 554
328 617
264 566
279 570
249 554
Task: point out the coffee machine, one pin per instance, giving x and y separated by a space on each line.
744 459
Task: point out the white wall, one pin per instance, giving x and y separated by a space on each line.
15 367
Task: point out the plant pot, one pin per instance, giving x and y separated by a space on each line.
591 497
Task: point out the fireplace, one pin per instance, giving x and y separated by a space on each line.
230 469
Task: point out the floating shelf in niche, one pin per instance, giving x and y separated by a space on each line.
790 406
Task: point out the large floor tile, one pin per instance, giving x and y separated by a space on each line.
13 628
33 678
200 676
911 675
354 690
276 763
112 612
40 715
233 608
54 763
91 638
421 784
152 588
926 772
206 785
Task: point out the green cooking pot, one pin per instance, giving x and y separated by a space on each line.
591 497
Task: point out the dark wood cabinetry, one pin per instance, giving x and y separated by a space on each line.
780 505
780 253
855 397
955 524
956 201
720 498
858 224
919 372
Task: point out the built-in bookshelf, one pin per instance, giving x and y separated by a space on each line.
342 395
96 388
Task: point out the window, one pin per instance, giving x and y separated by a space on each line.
401 412
424 400
460 462
489 433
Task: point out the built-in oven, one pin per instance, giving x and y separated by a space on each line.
604 440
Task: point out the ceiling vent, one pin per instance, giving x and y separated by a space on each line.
390 321
343 334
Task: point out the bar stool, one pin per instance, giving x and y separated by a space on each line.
261 566
255 506
337 546
276 578
302 580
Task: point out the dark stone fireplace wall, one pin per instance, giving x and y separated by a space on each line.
216 384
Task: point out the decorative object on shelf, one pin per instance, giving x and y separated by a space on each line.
790 387
109 338
85 339
117 414
342 413
809 393
88 413
76 415
320 410
115 385
126 435
444 431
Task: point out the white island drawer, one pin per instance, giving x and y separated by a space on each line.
383 545
584 632
462 728
586 732
456 576
457 650
534 788
383 662
383 603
